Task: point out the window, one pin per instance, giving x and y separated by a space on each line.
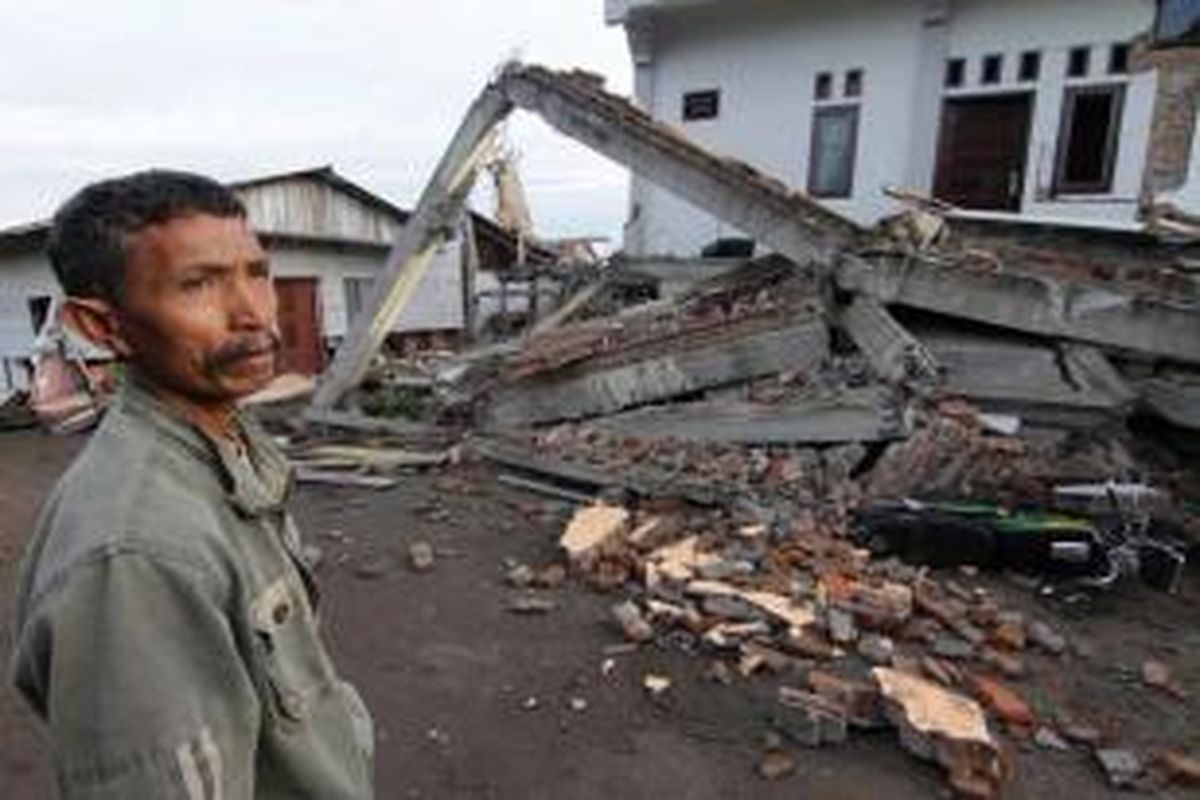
39 310
1079 62
823 86
358 292
853 86
833 147
702 105
956 72
1118 59
1087 139
993 70
1031 66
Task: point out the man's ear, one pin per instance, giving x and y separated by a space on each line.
99 322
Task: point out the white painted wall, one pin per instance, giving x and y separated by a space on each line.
22 276
764 56
437 304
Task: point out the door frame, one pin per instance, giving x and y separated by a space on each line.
1030 94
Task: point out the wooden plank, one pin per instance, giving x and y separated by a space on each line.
351 479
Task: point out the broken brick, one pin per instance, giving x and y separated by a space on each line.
1005 703
809 719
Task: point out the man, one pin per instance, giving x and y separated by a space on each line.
165 621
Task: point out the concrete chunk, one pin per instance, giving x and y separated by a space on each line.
939 725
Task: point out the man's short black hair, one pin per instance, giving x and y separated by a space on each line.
88 237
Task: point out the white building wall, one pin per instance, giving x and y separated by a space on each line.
764 57
980 27
437 304
23 277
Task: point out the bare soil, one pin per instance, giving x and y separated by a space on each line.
474 701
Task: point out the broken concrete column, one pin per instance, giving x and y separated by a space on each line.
894 353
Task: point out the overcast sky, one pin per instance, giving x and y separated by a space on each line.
241 89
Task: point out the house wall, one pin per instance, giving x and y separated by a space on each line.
305 207
764 56
25 276
437 304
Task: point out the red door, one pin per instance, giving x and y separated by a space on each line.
299 325
982 151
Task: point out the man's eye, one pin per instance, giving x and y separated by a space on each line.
196 284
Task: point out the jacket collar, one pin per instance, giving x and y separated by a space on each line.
255 483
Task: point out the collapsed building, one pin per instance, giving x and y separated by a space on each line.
783 448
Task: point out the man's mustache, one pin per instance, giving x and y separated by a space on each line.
243 347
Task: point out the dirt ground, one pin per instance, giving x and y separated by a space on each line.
474 701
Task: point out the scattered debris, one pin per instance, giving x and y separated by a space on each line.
532 604
1176 767
336 478
592 529
1122 767
656 685
946 727
420 556
775 765
1157 675
630 618
809 719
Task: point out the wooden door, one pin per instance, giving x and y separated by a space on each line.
982 150
299 325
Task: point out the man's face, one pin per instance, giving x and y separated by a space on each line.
198 311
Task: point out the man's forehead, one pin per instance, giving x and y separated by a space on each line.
195 239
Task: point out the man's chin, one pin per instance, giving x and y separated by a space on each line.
249 375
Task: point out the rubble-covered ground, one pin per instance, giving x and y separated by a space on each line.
484 689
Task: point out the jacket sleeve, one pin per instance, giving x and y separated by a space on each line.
146 691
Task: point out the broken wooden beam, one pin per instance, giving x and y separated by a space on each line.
735 354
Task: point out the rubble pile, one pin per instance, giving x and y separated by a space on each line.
855 642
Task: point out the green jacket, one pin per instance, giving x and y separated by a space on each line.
166 629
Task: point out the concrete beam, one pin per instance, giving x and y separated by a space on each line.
894 353
431 225
765 209
1042 384
867 415
586 389
1032 304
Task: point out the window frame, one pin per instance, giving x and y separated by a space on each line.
359 296
986 75
854 83
1084 53
1029 67
699 97
852 110
956 69
1112 144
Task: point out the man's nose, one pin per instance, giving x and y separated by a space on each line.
251 303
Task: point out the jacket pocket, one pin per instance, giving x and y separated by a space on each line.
293 660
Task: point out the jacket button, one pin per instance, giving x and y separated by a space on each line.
294 705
